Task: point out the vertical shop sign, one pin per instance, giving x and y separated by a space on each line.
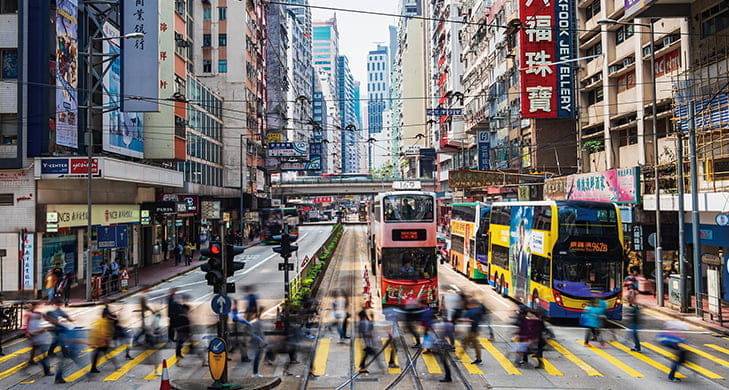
66 73
27 246
547 38
139 56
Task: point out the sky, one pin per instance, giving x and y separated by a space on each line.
358 33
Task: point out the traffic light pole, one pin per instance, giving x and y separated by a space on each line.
286 253
223 318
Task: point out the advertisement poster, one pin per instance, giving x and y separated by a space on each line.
66 73
59 251
123 131
520 250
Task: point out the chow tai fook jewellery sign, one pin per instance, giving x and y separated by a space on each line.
614 185
547 40
466 178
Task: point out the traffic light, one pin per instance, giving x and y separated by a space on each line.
230 264
214 267
286 248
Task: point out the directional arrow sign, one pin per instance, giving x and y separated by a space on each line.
220 304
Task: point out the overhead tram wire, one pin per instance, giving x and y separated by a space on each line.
456 21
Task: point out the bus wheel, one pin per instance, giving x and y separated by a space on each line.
498 283
468 271
502 287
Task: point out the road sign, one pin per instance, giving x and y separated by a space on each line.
306 260
221 304
217 358
282 266
722 219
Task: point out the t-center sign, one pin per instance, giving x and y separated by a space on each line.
547 39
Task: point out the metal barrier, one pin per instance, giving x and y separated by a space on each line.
714 309
101 288
12 318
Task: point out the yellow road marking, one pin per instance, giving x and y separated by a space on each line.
387 352
102 360
706 355
718 348
617 363
27 382
550 368
22 365
503 361
430 362
170 362
358 351
319 366
574 359
687 363
132 363
463 357
14 354
19 340
644 358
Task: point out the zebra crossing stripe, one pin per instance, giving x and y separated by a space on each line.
14 354
706 355
718 348
102 360
700 370
170 362
319 365
463 357
132 363
644 359
500 358
387 352
612 359
588 369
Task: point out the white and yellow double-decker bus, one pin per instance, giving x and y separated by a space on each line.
557 255
469 224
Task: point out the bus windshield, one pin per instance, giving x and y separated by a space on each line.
408 263
584 277
592 219
408 208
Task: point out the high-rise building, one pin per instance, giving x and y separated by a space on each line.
378 100
325 50
348 116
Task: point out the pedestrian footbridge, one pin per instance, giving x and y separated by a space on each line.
343 186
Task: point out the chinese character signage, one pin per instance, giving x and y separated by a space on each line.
66 73
547 37
466 178
614 185
123 131
288 149
140 76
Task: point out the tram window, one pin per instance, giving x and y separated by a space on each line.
408 208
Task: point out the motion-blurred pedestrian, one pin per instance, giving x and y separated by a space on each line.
672 340
392 316
529 333
251 303
56 317
634 320
258 343
183 330
63 289
591 319
39 338
241 331
101 335
70 340
412 311
143 309
474 315
366 327
172 308
441 349
339 308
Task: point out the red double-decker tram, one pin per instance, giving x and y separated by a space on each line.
403 246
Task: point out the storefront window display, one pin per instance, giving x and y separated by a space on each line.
59 251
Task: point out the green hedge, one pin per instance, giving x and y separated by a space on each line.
316 271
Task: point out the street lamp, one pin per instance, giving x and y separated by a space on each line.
90 142
659 249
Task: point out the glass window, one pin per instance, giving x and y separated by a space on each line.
582 276
8 6
207 40
222 66
8 129
540 269
222 13
413 208
223 40
207 14
500 256
409 263
585 219
9 63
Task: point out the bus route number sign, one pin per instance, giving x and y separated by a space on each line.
406 185
588 246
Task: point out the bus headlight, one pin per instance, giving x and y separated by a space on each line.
557 297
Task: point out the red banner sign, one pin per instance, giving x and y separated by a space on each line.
80 166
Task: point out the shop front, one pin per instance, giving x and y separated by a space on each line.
185 226
115 236
155 219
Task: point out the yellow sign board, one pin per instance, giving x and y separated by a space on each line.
217 358
274 137
461 228
73 215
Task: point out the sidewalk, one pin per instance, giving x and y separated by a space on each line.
648 302
149 276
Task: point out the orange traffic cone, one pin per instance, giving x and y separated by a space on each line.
165 384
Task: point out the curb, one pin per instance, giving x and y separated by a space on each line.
688 318
138 288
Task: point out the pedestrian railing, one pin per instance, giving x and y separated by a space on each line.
714 309
11 318
105 287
